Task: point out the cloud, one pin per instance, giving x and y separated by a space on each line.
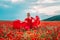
9 3
16 1
46 10
13 1
58 11
4 5
47 1
47 7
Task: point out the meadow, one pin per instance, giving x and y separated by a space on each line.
46 30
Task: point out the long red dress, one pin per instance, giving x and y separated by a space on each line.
29 21
36 21
17 24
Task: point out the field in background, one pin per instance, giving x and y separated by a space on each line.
48 30
43 23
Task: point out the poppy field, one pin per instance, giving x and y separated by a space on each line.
47 30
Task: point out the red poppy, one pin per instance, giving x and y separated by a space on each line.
10 34
33 38
59 34
43 38
49 31
54 38
1 38
1 32
55 29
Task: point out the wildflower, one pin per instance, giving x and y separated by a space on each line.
1 32
20 33
10 35
49 31
59 34
28 32
1 38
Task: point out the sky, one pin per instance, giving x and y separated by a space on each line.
18 9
